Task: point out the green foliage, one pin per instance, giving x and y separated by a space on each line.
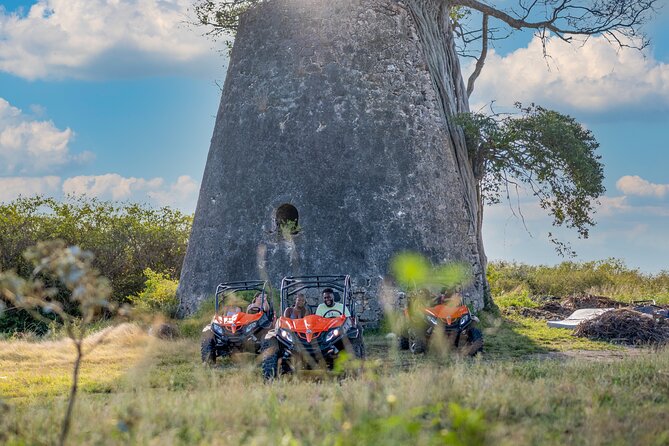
413 271
192 327
221 17
519 297
289 228
159 294
125 238
436 424
547 151
611 278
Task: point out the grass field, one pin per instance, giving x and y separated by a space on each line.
140 390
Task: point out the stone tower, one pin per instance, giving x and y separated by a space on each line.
328 119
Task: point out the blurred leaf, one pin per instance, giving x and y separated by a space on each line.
411 269
450 275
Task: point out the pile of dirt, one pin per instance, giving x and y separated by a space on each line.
555 308
625 326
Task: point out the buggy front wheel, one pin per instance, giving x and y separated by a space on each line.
474 343
359 347
270 358
208 350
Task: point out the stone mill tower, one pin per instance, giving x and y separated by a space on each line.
328 122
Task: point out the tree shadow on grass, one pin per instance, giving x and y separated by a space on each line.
502 338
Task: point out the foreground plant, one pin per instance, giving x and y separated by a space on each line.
59 269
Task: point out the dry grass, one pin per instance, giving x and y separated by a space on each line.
29 370
156 392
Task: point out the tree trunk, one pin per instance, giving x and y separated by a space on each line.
433 23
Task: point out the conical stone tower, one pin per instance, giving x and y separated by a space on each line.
328 119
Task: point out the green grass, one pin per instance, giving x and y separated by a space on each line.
140 390
514 336
519 297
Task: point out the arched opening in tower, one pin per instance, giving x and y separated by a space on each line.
287 219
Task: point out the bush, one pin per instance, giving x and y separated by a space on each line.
126 239
611 278
519 297
159 294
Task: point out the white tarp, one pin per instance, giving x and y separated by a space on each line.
577 317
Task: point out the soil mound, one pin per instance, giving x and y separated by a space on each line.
554 308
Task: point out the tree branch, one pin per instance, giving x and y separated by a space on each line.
568 18
481 60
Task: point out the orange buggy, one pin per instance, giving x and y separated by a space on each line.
312 341
233 330
449 315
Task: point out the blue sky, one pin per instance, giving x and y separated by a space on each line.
117 98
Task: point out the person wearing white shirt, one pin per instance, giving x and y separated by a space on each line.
330 308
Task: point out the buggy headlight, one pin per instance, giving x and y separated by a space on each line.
217 329
285 334
431 319
464 319
250 327
332 334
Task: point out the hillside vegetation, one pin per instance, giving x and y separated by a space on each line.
611 278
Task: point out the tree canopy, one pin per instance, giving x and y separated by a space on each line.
547 151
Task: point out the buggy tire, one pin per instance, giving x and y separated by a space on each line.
474 344
208 350
358 346
270 358
403 342
417 345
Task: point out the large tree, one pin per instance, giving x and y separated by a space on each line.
563 171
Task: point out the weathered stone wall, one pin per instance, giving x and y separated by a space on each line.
328 106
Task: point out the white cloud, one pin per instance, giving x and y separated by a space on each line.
180 194
609 206
32 146
103 39
13 187
110 186
635 185
594 76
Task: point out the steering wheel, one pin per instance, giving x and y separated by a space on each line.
253 310
335 311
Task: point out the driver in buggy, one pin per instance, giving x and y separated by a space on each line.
257 305
330 308
448 297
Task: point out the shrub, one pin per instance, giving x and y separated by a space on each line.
159 294
610 277
125 238
519 297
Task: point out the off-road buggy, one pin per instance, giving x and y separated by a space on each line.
313 341
232 329
445 318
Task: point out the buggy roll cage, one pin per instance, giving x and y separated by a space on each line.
294 284
263 286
